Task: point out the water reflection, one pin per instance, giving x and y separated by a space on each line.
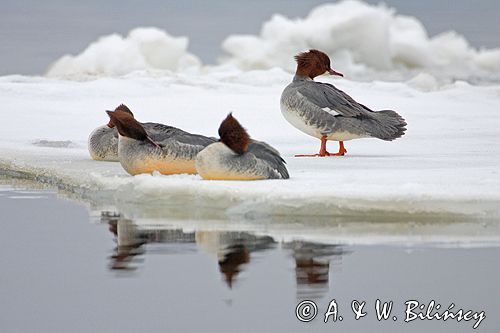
229 265
232 250
312 266
228 277
130 240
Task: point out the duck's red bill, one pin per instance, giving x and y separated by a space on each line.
332 72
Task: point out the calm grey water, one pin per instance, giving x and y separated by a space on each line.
34 33
62 271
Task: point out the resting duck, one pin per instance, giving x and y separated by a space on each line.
103 141
167 150
327 113
237 157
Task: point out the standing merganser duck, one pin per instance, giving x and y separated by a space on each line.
327 113
237 157
167 150
103 141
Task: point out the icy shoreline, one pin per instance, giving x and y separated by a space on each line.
186 196
422 230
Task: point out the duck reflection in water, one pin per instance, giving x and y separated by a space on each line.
312 266
130 240
229 265
232 250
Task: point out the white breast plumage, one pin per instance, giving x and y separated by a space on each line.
292 116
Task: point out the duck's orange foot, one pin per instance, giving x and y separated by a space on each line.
340 153
342 150
323 154
309 155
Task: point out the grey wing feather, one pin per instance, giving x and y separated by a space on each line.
193 139
267 153
267 146
161 133
325 95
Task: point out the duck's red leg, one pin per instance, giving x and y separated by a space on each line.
341 152
323 152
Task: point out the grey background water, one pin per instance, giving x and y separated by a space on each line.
61 273
35 33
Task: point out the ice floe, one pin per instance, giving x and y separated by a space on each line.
446 165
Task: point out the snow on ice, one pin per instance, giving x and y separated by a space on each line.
446 163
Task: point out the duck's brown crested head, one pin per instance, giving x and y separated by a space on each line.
233 135
127 125
123 108
314 63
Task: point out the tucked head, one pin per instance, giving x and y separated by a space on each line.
233 135
314 63
121 107
129 127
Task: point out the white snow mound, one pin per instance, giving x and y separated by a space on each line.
365 41
362 38
114 55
